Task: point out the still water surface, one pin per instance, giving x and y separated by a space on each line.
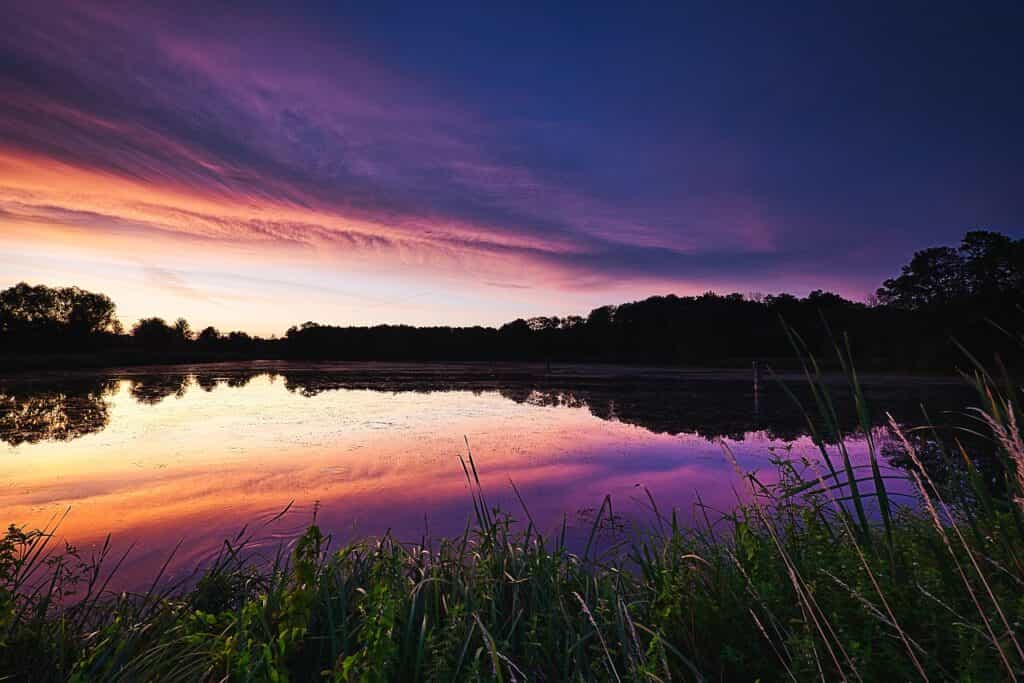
157 456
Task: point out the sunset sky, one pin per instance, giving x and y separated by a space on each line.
253 166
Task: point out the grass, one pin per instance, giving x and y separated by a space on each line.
820 577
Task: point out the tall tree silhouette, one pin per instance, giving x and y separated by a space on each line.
986 266
41 318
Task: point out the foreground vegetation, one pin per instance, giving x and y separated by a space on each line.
821 576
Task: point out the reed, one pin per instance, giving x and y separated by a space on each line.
821 576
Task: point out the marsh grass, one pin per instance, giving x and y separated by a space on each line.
819 576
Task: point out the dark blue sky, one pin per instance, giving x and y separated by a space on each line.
906 116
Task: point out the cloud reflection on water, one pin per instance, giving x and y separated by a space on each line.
156 456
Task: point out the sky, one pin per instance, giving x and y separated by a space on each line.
256 165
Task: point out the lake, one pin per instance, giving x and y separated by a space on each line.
154 456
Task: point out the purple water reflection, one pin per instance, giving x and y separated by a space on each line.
179 455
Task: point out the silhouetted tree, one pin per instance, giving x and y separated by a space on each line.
182 330
88 312
993 263
154 333
208 337
934 277
26 308
987 265
41 317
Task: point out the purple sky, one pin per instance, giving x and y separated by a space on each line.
379 162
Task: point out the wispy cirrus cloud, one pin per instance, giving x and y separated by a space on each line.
161 278
299 143
336 146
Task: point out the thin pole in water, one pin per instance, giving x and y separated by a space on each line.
757 383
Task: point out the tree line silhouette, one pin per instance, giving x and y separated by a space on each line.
941 294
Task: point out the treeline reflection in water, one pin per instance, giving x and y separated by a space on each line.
156 455
711 405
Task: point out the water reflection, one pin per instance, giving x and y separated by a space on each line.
30 413
62 408
151 389
711 404
196 453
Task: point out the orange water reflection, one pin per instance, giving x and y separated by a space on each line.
198 465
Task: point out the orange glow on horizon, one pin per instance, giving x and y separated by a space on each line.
251 263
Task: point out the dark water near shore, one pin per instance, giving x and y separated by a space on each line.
194 453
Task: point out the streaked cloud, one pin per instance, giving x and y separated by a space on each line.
291 144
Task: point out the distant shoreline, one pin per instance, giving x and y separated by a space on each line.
20 366
21 362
